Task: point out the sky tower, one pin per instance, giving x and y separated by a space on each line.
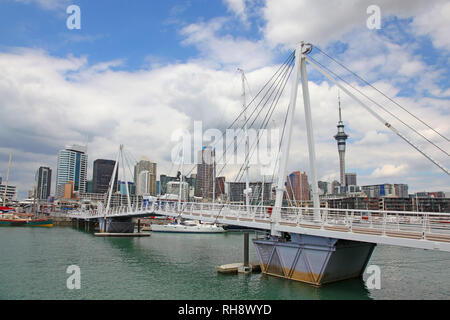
341 137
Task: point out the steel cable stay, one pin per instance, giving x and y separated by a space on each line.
280 72
277 82
264 124
381 107
386 96
326 72
278 89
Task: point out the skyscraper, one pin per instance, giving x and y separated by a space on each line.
350 179
297 186
71 166
102 173
145 183
341 137
43 180
206 173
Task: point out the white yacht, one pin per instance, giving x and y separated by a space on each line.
188 227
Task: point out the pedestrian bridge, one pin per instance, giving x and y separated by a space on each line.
425 230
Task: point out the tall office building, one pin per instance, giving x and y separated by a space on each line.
297 186
145 183
341 137
206 173
71 166
43 182
101 177
350 179
260 193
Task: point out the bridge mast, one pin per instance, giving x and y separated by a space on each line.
244 105
286 147
112 181
306 48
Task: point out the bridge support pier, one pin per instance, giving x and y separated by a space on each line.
117 225
312 259
246 268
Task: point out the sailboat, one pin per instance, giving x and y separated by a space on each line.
9 216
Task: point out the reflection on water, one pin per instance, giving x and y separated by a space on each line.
182 266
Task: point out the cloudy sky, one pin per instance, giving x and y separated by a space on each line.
137 71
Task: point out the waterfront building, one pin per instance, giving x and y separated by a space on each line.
236 192
123 187
335 187
145 183
102 173
173 187
68 191
297 187
11 192
164 180
206 173
386 190
325 187
43 182
71 166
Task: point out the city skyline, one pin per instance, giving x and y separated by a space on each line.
88 76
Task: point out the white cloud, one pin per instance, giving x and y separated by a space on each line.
290 21
390 171
237 7
48 4
435 23
225 50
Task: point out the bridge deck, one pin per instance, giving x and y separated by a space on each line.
411 229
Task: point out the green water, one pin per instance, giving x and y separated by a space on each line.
33 265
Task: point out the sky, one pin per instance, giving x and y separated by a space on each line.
137 71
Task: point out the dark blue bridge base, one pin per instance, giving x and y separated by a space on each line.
312 259
117 225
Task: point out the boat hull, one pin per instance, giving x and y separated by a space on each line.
48 223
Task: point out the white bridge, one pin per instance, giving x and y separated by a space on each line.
425 230
314 245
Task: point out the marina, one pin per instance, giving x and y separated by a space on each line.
183 266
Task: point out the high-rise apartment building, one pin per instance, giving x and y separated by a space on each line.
71 166
145 183
43 182
297 186
206 174
101 177
260 193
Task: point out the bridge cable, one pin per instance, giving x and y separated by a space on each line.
388 125
390 99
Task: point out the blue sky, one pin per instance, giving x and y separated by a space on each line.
135 65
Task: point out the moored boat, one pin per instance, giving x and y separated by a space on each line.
9 218
187 227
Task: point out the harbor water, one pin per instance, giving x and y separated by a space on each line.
33 265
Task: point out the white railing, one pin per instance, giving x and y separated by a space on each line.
377 222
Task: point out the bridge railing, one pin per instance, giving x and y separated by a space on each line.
379 222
